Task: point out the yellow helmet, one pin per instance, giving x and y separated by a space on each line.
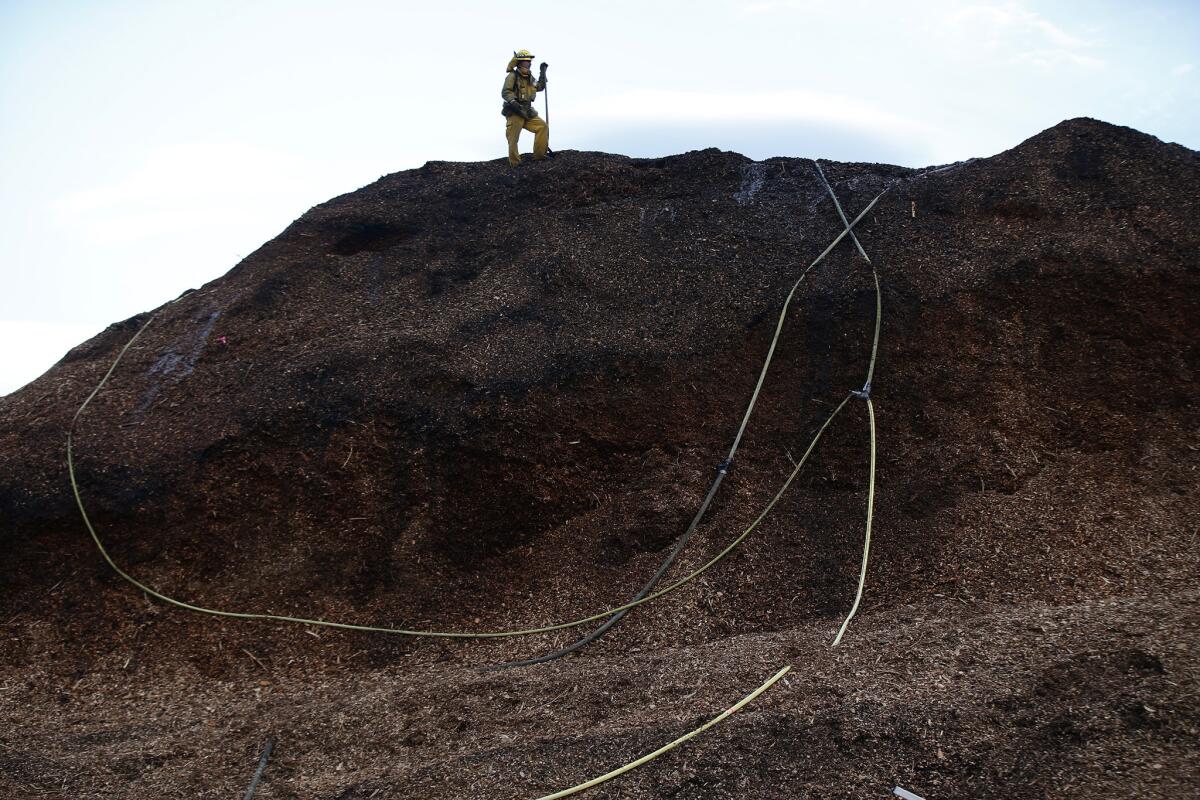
522 55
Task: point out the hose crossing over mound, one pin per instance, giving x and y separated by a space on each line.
459 634
864 394
643 596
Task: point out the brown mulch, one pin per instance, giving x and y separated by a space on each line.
472 397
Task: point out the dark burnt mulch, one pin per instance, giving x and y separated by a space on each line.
473 397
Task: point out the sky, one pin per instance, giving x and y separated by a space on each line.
146 147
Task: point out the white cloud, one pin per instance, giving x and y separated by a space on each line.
185 186
1182 69
793 105
1026 35
1009 18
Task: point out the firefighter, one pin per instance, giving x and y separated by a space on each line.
518 93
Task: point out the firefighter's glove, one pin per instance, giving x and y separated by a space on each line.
542 67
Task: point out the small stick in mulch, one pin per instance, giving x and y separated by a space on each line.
262 766
256 659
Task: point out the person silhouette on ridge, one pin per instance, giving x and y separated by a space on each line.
518 93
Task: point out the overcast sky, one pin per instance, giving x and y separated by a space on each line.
146 147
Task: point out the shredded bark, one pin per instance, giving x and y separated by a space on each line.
471 397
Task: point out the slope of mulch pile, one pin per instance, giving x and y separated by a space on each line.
471 397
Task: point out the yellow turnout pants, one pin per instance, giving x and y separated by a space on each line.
541 136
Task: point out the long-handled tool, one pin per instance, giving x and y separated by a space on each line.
546 97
